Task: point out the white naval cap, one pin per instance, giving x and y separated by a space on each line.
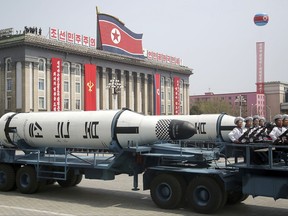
237 119
278 116
249 118
256 117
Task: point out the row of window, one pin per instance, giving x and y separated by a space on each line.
42 66
66 104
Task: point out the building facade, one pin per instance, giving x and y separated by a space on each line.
27 79
241 103
276 93
272 102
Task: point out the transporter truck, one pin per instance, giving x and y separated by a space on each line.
42 148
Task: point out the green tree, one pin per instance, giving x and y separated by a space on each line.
212 106
195 110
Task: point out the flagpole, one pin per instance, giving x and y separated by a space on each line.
98 37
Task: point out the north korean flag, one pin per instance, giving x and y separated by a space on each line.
114 36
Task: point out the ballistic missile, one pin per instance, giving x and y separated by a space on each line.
109 129
209 127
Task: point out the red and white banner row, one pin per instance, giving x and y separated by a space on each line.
70 37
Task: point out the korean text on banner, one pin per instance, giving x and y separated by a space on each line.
56 71
176 95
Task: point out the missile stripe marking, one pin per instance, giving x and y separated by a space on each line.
7 128
227 128
127 130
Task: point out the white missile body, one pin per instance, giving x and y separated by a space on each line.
89 129
209 127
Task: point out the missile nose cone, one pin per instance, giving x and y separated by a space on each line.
171 129
181 130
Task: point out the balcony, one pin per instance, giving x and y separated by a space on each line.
284 107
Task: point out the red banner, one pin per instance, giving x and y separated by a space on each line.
176 95
157 97
56 70
260 52
90 87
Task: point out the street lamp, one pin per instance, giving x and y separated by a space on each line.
115 86
252 106
240 99
269 108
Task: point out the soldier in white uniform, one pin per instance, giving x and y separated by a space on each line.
256 119
247 129
236 133
285 121
278 129
262 121
262 130
248 123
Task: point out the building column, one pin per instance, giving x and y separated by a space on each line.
2 87
138 93
130 91
184 98
151 95
112 101
48 85
105 91
187 100
27 94
19 86
145 94
35 86
123 89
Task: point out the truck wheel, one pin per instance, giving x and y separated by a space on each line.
26 180
7 177
244 197
235 197
50 181
70 180
166 191
205 195
78 179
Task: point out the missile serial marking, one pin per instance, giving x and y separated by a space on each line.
91 130
60 130
200 127
35 127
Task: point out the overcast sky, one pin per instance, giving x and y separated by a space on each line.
216 38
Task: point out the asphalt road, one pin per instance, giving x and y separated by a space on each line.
96 197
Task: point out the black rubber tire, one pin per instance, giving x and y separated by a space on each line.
70 181
26 180
204 195
183 184
244 197
7 177
236 197
50 181
78 179
166 191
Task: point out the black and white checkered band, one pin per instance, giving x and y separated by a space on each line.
162 129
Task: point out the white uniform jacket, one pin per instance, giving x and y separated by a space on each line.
235 134
276 132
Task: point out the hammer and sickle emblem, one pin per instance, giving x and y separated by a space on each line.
90 86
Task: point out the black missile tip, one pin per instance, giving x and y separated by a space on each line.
179 129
